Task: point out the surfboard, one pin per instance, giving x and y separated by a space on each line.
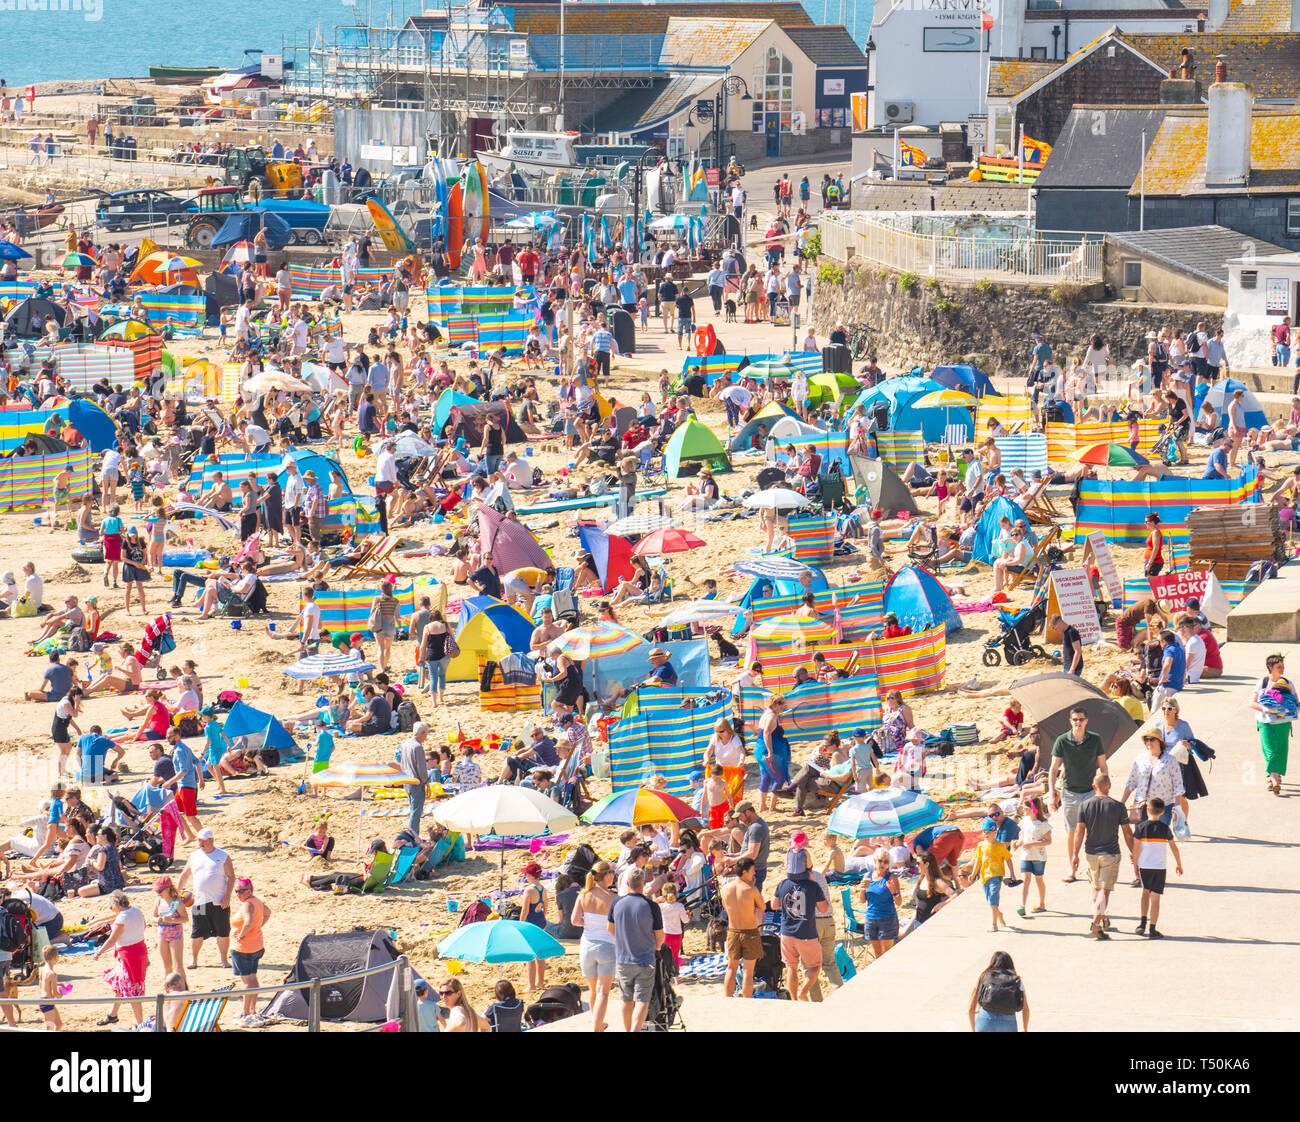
486 195
455 223
394 237
472 201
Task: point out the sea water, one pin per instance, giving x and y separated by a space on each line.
46 40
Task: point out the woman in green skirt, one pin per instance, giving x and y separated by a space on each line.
1275 702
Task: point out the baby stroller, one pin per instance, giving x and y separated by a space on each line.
1165 448
138 844
158 641
22 967
555 1003
769 970
1016 637
665 1006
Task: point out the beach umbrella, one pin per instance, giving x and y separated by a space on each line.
883 813
794 629
774 566
500 940
76 260
668 541
361 776
1106 454
325 666
241 252
1048 699
636 524
670 222
767 370
944 399
501 808
222 520
178 264
413 444
775 498
268 380
600 639
11 252
638 806
698 610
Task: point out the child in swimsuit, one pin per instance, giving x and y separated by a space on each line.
50 988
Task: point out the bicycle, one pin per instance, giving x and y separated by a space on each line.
860 341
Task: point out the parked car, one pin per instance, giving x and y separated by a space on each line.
124 210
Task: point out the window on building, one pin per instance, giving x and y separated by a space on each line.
1038 52
1132 274
757 123
1249 278
773 89
1293 218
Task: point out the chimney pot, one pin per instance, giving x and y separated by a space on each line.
1220 68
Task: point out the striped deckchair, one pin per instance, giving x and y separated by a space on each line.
1064 440
348 609
658 737
29 482
501 697
1119 509
1026 452
174 307
898 449
458 330
818 708
859 607
201 1014
813 536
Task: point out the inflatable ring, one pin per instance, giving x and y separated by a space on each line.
90 555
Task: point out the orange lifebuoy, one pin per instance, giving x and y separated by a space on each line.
706 340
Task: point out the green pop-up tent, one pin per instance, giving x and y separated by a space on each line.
694 441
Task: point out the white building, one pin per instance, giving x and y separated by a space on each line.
1261 290
930 61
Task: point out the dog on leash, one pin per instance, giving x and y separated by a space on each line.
716 933
731 311
753 221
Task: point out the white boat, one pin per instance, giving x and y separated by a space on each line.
533 153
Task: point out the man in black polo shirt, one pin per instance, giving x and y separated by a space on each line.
1101 819
667 294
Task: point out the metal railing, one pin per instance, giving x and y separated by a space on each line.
313 987
1033 257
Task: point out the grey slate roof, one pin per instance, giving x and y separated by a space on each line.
827 46
1100 147
1202 251
644 108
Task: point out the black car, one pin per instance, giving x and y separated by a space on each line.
124 210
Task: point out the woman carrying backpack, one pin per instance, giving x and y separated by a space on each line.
998 996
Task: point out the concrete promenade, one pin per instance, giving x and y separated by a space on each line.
1230 959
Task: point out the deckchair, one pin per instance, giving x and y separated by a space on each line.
1037 504
852 924
377 560
1036 559
201 1014
402 865
848 971
843 782
379 870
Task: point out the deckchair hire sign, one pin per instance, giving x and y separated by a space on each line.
1099 547
1071 596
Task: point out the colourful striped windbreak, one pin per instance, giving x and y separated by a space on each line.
146 353
1119 509
29 482
711 366
659 737
1008 410
507 329
833 447
503 698
1064 440
82 365
1026 452
810 362
473 300
16 425
818 708
174 307
17 289
307 283
860 606
911 664
348 609
813 536
898 449
324 329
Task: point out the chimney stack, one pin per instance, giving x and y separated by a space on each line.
1227 150
1218 13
